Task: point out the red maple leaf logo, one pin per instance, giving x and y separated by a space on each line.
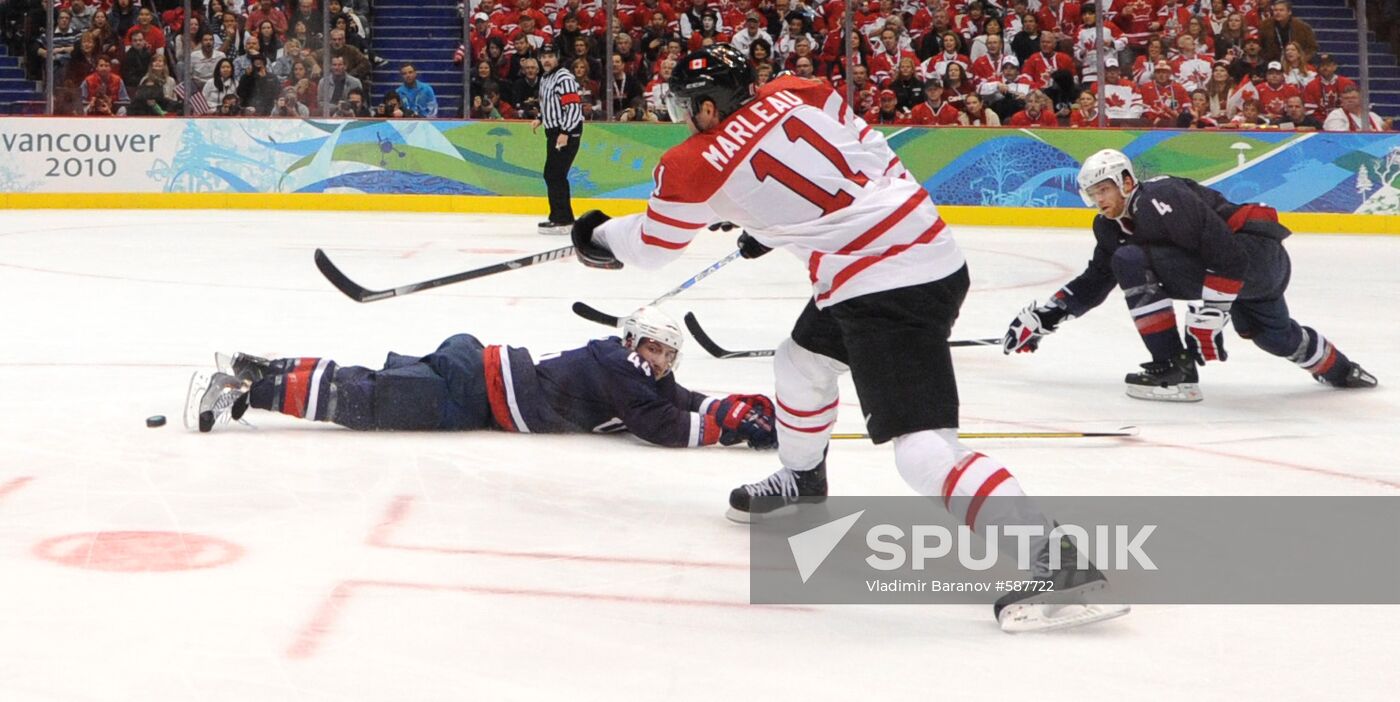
1115 100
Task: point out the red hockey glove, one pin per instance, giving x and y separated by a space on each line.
742 418
1205 333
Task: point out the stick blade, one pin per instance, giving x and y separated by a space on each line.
350 288
594 314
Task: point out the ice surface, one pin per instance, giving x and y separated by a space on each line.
345 566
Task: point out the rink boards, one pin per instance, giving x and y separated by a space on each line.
1323 182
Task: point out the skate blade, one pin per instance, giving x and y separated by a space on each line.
1184 392
741 517
198 383
1027 618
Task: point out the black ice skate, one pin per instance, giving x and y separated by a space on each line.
550 228
1062 603
247 368
1355 377
212 398
1174 380
778 491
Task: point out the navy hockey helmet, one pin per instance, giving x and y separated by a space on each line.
718 73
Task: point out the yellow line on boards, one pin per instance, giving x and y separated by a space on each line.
1020 217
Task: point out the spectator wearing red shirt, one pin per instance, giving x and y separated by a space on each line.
1085 112
988 66
972 23
1044 64
934 110
1135 18
937 64
1059 17
1324 93
887 112
479 37
641 18
145 24
1274 92
885 62
1163 97
862 89
1038 112
588 20
1172 18
708 29
266 11
922 21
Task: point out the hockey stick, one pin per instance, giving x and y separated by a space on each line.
717 351
359 293
1122 432
594 314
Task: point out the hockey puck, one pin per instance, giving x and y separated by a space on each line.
155 421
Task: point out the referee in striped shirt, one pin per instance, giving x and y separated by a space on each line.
561 113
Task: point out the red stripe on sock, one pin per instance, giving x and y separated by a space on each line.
1229 286
1156 322
1327 361
296 386
806 430
951 481
1002 475
813 413
496 387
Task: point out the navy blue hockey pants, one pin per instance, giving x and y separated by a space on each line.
445 390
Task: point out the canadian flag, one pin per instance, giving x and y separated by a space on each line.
1244 91
1122 102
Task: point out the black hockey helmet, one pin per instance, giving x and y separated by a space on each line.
718 73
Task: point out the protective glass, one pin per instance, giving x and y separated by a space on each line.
678 108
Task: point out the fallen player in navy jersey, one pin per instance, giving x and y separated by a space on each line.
610 385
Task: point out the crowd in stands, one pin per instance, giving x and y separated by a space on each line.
1166 63
230 57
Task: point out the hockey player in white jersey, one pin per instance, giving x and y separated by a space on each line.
794 166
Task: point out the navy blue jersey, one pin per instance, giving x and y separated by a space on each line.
602 387
1180 213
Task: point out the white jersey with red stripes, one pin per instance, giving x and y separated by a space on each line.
796 168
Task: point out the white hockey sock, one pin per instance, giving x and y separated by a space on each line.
978 490
807 400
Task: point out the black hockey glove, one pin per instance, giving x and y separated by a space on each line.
750 248
589 252
744 418
1031 324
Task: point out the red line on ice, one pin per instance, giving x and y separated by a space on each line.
314 632
398 510
13 485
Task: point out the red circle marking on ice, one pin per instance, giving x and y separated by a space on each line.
138 551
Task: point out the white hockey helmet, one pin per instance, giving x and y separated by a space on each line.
1109 164
651 323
